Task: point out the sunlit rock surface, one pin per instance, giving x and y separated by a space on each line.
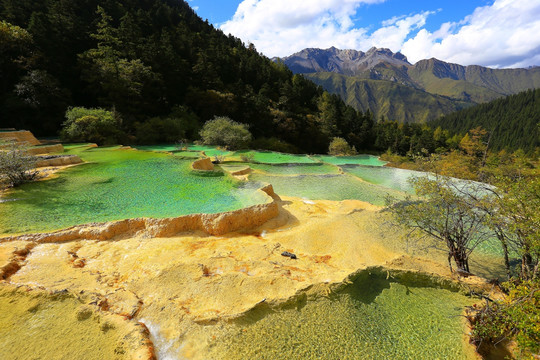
38 324
218 285
203 164
21 136
192 289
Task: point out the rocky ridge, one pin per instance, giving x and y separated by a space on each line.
388 85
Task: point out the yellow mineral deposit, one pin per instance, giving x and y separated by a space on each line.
21 136
180 279
39 324
203 164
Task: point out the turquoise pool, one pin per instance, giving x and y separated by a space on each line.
119 184
350 160
327 187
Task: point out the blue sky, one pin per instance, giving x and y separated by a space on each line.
219 11
497 33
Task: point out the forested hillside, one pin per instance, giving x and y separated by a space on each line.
514 121
154 59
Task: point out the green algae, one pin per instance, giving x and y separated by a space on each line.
375 317
369 160
327 187
119 184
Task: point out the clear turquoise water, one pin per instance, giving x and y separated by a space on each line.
350 160
327 187
188 154
372 318
119 184
294 169
170 147
210 151
231 166
393 178
271 157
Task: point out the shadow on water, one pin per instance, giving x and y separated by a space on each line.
367 285
363 287
262 310
376 314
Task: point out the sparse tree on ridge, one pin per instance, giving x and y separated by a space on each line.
445 214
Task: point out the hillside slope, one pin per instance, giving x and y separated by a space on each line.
386 98
460 86
514 121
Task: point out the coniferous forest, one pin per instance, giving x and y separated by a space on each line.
155 61
164 72
514 121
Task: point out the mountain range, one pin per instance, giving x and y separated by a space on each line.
388 85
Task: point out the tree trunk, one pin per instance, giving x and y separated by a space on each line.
462 261
504 245
526 265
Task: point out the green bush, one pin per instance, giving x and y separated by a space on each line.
340 146
222 131
91 125
515 318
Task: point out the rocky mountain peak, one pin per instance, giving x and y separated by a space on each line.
349 61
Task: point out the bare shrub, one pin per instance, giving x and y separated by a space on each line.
16 165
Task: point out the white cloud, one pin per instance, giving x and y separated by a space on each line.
282 27
504 34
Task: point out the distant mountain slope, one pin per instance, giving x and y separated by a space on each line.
460 86
479 83
514 121
386 98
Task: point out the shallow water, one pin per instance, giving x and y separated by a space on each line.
120 184
294 169
393 178
350 160
210 151
372 318
157 147
327 187
272 157
37 325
